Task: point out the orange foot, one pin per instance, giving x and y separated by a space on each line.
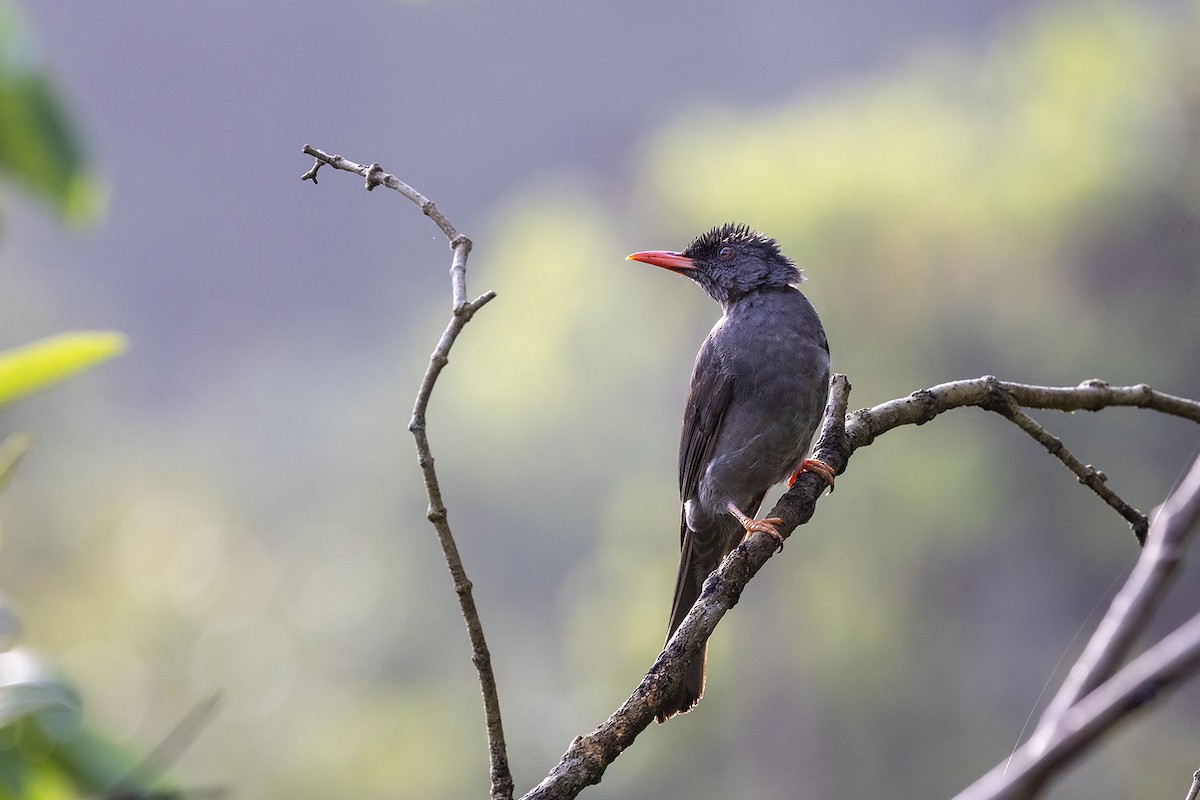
817 466
753 525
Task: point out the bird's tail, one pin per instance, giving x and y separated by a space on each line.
699 556
696 562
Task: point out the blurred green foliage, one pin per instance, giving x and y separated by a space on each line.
39 147
46 752
37 365
1029 211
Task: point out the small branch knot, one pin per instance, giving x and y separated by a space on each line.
1100 394
1145 394
375 175
929 405
997 398
864 421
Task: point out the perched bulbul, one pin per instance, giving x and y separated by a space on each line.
756 398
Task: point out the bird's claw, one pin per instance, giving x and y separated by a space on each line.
753 525
817 466
766 526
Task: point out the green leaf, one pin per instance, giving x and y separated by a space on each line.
39 146
26 369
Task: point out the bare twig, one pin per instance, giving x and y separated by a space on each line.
588 756
1091 701
1130 610
131 787
377 177
1167 663
1088 475
999 396
462 312
1194 791
501 776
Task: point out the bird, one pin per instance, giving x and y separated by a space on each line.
756 397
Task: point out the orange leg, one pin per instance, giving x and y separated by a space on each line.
753 525
817 466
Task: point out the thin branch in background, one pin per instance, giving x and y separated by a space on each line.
463 311
159 759
1131 609
1093 699
1167 664
12 448
1194 792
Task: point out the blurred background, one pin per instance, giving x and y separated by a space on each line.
972 187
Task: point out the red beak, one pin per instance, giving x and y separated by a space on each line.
666 259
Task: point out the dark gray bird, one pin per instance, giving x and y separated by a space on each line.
756 398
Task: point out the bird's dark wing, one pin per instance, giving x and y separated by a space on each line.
708 398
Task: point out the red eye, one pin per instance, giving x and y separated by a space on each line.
725 252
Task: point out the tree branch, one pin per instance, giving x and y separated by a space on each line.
1000 396
588 756
1091 702
1194 791
1088 475
463 311
1131 609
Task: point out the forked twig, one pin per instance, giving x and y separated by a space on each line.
462 312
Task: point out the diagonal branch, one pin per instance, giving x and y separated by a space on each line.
1131 609
1093 698
588 756
462 312
1088 475
1194 791
1164 666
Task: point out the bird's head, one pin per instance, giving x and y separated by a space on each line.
728 262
